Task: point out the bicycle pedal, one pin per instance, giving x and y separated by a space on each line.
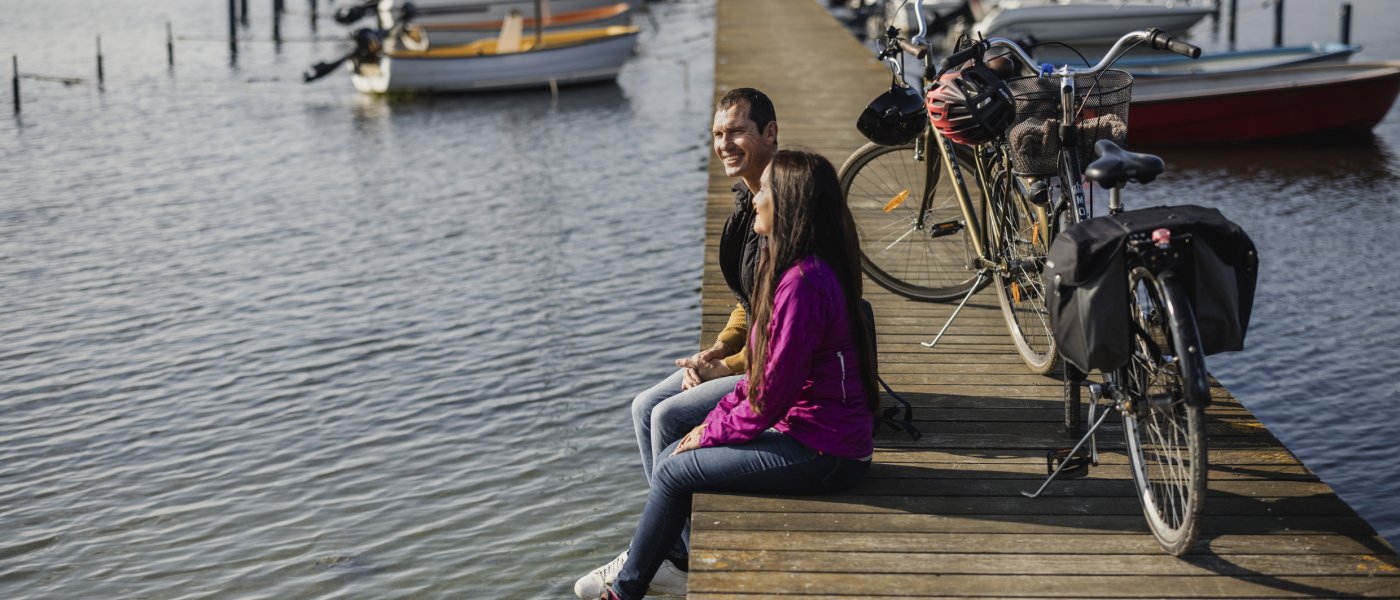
1075 465
938 230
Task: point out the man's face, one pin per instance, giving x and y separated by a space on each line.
740 146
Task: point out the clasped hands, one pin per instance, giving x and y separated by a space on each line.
704 365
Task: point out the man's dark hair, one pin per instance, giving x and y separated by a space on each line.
760 107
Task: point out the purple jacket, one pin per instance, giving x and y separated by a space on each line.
814 392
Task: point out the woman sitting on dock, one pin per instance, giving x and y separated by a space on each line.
801 419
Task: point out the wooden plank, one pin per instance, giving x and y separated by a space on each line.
704 539
1009 564
1044 585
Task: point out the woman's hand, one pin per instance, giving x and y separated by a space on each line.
691 440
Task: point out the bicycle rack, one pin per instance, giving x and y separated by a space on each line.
1069 461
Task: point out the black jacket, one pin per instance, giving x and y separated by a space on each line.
739 247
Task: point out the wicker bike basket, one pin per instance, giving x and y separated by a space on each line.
1102 115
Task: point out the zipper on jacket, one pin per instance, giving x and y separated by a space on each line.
842 359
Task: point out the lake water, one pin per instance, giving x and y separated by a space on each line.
271 340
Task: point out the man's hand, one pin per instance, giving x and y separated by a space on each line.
705 365
691 440
698 372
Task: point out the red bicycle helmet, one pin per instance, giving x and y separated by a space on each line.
971 106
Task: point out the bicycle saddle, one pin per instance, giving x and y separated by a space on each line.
1117 166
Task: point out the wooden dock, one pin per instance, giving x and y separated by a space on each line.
943 517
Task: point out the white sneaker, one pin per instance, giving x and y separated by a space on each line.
591 586
669 580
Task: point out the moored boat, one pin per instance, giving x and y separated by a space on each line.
567 57
1262 104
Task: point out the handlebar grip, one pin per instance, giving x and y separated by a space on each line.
962 56
917 51
1161 41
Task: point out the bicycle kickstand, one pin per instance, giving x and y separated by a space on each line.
982 276
1069 461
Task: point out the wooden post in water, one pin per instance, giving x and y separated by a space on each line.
243 11
539 25
1346 23
1278 23
100 79
169 45
233 26
314 15
14 83
1234 20
277 22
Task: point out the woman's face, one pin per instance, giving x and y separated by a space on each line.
763 203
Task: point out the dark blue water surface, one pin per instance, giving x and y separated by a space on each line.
271 340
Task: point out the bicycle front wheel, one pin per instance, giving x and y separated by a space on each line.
913 240
1164 422
1025 229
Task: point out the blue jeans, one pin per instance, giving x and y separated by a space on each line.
771 464
664 413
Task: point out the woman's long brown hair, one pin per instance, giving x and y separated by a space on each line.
810 216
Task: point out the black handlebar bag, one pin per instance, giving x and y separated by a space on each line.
1087 282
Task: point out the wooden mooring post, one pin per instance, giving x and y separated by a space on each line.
277 22
1278 23
100 78
233 26
14 80
1234 20
169 45
1346 23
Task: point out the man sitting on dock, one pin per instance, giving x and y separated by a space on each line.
745 137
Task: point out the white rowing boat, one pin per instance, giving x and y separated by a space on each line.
507 62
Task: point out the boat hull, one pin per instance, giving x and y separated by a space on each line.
598 60
1293 102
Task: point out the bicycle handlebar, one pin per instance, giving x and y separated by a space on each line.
916 51
1158 39
1161 41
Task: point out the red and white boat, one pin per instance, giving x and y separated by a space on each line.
1256 105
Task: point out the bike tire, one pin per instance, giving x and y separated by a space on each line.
1024 231
1165 423
896 251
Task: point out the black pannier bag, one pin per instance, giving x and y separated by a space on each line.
1087 282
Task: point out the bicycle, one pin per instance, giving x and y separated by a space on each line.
1124 292
937 247
1154 372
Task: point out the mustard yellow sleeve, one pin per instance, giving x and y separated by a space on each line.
738 363
736 331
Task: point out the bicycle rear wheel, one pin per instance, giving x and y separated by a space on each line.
1165 421
1024 229
913 240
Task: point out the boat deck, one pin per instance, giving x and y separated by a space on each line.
943 517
